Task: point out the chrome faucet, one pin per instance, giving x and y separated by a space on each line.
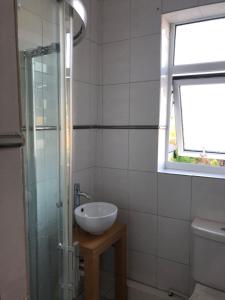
78 194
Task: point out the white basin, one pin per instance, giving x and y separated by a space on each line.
96 217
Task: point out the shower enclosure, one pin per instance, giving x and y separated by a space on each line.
46 92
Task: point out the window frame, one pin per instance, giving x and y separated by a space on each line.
181 73
177 83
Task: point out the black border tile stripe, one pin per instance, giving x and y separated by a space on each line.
152 127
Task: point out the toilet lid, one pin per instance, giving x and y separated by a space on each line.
202 292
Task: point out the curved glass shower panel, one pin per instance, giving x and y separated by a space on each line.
39 46
46 92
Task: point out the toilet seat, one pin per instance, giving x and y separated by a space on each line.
202 292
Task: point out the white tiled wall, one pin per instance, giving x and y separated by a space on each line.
115 57
158 208
144 103
116 104
145 58
86 93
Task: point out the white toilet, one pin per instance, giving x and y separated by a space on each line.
208 260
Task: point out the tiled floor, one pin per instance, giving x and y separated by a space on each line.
136 291
82 298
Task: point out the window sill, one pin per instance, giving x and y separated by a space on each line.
191 173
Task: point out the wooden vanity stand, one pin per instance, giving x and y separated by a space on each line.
91 248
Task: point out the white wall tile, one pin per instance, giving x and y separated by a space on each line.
208 198
82 61
98 184
50 11
143 192
172 275
93 147
145 58
116 63
174 239
123 216
174 196
81 103
172 5
99 148
139 239
95 21
145 17
50 34
29 30
142 268
35 6
95 60
115 149
94 98
144 103
143 150
115 187
204 2
83 150
116 104
99 112
115 20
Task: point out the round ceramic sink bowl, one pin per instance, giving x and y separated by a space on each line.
96 217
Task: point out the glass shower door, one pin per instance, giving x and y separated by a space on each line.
47 156
44 174
46 93
47 129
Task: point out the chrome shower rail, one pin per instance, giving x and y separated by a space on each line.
11 140
78 6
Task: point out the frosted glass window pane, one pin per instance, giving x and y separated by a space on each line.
200 42
203 108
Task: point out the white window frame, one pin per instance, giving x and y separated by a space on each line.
183 72
177 83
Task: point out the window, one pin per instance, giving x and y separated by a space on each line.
196 131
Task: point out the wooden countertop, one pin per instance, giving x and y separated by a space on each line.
98 243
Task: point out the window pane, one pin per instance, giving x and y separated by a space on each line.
203 107
200 42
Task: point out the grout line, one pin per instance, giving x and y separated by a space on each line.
127 82
160 257
130 38
116 127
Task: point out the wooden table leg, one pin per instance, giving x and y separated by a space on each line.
92 277
121 267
